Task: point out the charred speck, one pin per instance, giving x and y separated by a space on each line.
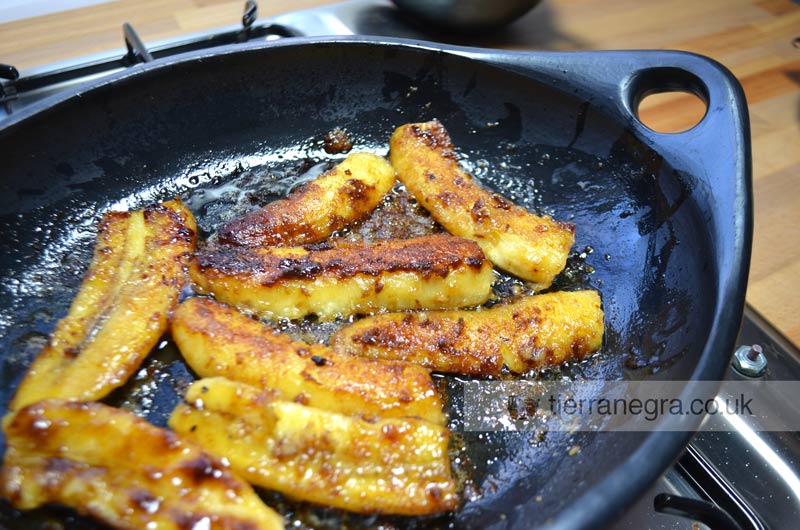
501 202
199 469
390 431
434 136
479 211
299 268
405 397
339 263
370 337
435 493
143 499
424 266
474 262
444 345
58 465
357 190
322 245
319 361
448 197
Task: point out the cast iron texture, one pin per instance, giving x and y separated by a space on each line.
558 130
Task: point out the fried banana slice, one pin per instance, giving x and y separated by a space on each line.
121 309
430 272
393 466
114 466
531 247
218 340
341 195
458 341
537 331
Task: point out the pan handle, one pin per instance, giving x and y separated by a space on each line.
713 156
615 82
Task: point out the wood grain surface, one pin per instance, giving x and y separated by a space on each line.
759 40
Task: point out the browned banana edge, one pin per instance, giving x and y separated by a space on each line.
444 341
535 332
435 255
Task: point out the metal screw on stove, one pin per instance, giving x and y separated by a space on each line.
750 360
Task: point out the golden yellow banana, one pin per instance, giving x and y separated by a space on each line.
430 272
121 309
218 340
114 466
536 331
531 247
392 466
314 211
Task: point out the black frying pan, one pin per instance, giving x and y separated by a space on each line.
671 211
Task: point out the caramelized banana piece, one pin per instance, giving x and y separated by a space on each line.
534 332
218 340
314 211
393 466
121 309
549 329
531 247
114 466
459 341
431 272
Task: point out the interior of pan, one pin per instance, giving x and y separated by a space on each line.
198 124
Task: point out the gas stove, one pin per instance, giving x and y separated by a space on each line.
734 475
731 476
354 17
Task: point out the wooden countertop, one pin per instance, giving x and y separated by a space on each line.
759 40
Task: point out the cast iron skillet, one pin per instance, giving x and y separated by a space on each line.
668 216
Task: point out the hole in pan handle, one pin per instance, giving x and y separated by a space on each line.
702 511
668 100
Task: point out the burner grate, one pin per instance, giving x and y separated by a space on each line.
18 91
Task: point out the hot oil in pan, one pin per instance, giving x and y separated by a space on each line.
163 378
